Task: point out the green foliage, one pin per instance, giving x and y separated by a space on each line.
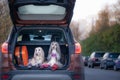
108 40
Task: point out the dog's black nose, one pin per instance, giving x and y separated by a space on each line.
36 54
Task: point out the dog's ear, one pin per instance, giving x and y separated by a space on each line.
50 48
35 51
58 48
43 53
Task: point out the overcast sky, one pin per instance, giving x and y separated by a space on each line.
85 10
88 8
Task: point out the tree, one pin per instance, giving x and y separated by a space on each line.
116 8
102 23
75 29
5 21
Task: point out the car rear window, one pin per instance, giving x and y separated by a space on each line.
41 35
45 12
119 57
114 55
99 54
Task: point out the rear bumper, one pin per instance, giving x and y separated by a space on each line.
110 64
42 75
118 66
97 63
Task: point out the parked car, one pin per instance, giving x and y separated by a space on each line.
85 60
94 59
117 64
37 23
108 60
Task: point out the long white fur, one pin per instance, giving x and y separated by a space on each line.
38 57
54 45
54 48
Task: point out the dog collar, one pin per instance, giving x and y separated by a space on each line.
53 55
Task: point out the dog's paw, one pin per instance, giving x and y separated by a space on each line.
44 65
29 66
37 65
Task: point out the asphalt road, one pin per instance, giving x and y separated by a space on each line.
98 74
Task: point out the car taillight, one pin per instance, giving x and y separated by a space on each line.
93 59
76 76
77 48
4 48
5 76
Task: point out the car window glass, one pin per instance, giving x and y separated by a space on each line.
41 35
92 55
105 56
19 38
114 55
99 54
119 57
45 12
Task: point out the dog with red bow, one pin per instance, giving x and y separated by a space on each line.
54 56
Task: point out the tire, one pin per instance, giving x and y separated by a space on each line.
115 68
89 66
85 64
105 67
101 66
92 65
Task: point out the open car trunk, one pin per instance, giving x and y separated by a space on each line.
45 13
52 12
27 42
31 50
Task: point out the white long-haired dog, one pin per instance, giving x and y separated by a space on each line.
38 57
54 54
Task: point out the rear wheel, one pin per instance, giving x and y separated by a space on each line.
92 65
101 66
115 68
105 67
89 65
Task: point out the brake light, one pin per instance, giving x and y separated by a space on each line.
5 76
77 48
94 59
76 76
4 48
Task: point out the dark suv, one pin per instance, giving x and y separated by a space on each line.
94 59
85 60
37 23
108 60
117 64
